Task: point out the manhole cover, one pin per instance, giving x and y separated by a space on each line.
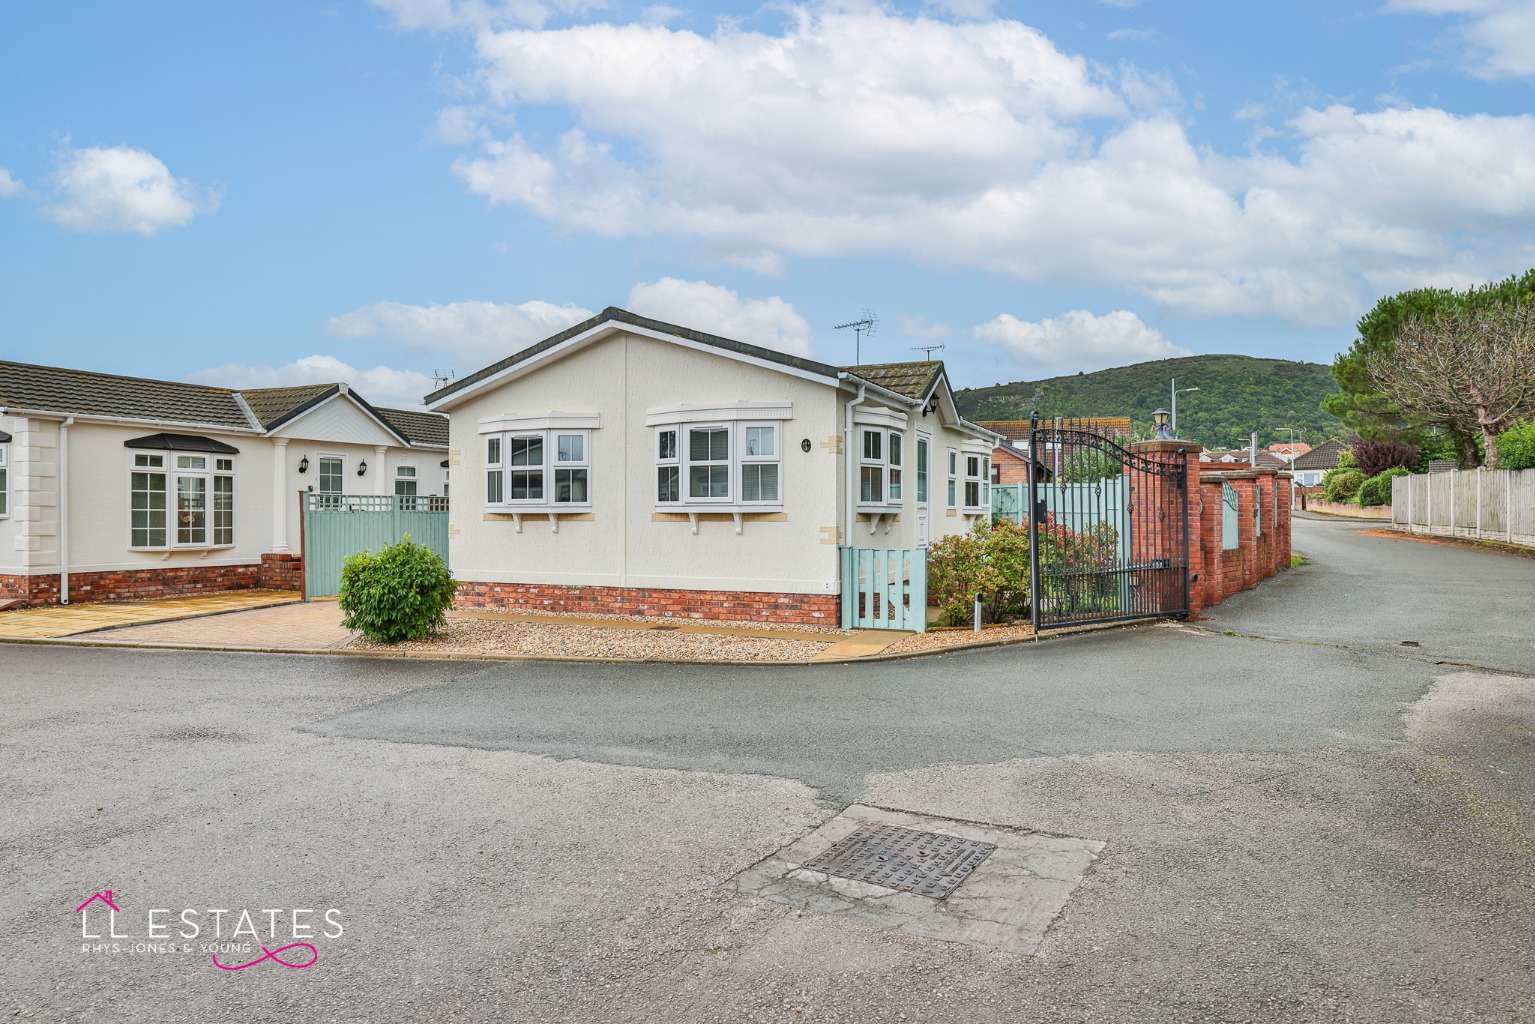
925 863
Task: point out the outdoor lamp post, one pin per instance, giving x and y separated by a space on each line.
1176 392
1159 419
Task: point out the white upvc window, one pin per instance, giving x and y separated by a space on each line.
5 480
953 478
977 483
538 468
734 464
881 457
181 500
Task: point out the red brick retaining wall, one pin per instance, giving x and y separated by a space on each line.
132 584
1218 572
751 606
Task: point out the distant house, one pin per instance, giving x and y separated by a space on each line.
117 487
1310 466
627 465
1288 450
1010 459
1243 457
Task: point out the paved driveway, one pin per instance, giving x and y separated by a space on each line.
1292 831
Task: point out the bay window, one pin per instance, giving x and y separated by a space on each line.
548 469
727 464
880 467
181 501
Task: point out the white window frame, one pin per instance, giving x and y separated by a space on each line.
5 481
216 467
953 467
736 462
549 466
322 457
888 462
981 478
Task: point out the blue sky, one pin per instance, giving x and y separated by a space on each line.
275 192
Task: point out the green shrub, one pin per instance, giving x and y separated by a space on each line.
991 560
1342 484
401 593
1516 447
1377 490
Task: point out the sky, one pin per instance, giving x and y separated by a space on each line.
268 193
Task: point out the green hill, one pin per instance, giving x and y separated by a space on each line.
1237 395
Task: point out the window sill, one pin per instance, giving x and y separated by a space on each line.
171 550
684 508
736 514
539 513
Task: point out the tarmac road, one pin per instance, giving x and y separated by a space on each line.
1318 826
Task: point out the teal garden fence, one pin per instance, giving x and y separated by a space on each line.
337 525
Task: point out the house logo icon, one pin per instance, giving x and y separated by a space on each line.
105 897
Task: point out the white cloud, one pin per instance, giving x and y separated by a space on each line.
122 189
1077 340
1122 34
381 386
922 327
10 186
474 333
1499 34
659 14
856 131
771 323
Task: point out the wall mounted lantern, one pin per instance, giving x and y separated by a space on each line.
362 467
303 464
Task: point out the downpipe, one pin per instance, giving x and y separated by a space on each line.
64 426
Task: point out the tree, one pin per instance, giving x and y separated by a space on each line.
1471 368
1375 457
1362 406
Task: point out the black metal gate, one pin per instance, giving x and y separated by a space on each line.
1108 527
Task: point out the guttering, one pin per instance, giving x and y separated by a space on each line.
64 426
129 421
849 517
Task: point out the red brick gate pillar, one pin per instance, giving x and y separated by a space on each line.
1159 518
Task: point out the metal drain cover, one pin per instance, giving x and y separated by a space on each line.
925 863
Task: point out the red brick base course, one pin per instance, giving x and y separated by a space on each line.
750 606
132 584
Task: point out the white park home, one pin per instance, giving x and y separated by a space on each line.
118 487
631 466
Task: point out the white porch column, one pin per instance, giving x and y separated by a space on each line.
380 470
280 495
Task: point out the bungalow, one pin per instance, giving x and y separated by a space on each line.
118 487
631 466
1310 466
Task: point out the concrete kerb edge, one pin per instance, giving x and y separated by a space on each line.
131 645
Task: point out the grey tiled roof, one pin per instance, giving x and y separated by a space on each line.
1323 456
418 426
910 379
24 386
273 406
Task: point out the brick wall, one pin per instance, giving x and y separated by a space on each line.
750 606
282 572
1259 554
132 585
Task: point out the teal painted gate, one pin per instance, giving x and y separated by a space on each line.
337 525
884 588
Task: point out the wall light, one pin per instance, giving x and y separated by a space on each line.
362 467
303 464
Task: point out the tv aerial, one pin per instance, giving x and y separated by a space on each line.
928 350
442 378
862 326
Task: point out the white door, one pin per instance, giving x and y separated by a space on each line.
924 484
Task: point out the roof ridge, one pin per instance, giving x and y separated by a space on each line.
119 376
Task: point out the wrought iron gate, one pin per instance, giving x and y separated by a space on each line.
1108 527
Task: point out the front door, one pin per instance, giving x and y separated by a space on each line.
924 503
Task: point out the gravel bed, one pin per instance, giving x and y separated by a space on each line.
683 620
939 639
540 639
